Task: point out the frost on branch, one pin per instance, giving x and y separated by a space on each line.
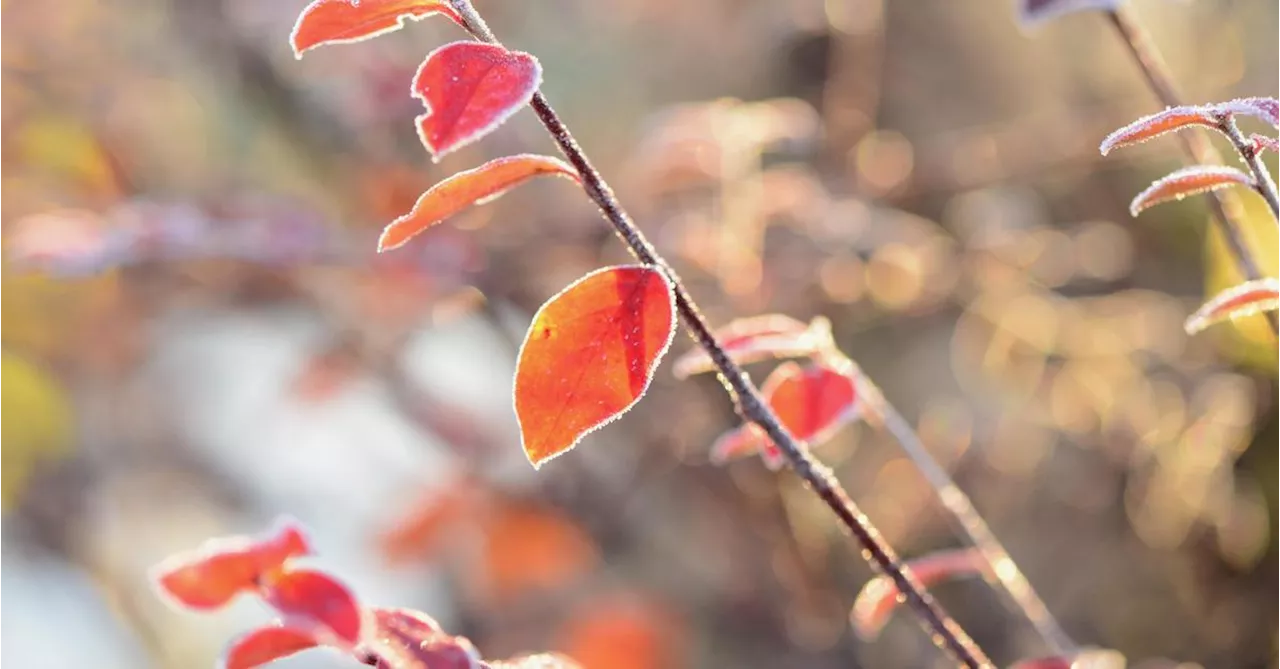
470 88
1246 299
1032 12
749 340
589 356
812 401
1159 123
880 596
343 21
1188 181
477 186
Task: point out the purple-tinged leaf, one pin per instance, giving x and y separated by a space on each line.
1188 181
1245 299
1032 12
1266 109
1264 143
1154 125
538 661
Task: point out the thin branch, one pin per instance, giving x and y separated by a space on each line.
1002 570
942 628
1228 213
1262 181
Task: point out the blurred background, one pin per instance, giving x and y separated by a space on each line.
198 337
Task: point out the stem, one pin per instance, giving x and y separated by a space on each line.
942 627
1261 177
1228 213
1002 570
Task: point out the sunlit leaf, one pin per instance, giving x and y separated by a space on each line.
476 186
1037 11
880 596
1159 123
621 631
1264 143
427 524
264 645
748 340
313 600
1188 181
528 549
589 356
469 89
214 574
407 639
342 21
1245 299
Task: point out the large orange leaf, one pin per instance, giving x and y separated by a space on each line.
341 21
1159 123
590 355
476 186
880 596
469 89
1188 181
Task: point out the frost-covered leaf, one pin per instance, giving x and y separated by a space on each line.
475 186
1264 143
1245 299
1265 109
408 639
470 88
211 576
265 644
1032 12
1188 181
1159 123
589 356
342 21
538 661
880 596
749 340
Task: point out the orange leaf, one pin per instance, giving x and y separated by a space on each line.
1245 299
214 574
879 597
343 21
428 522
532 549
748 340
589 356
1150 127
1188 181
476 186
469 89
621 631
265 644
317 601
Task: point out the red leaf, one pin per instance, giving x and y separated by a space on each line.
464 189
407 639
469 89
741 442
1038 11
1264 142
264 645
1245 299
342 21
1188 181
879 597
214 574
589 356
314 600
1150 127
748 340
538 661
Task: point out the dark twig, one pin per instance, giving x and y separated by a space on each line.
1262 181
942 628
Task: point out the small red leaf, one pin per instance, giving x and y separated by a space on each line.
314 600
1150 127
1188 181
879 597
1038 11
1266 109
749 340
469 89
739 443
264 645
538 661
589 356
343 21
1246 299
407 639
214 574
1264 142
476 186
